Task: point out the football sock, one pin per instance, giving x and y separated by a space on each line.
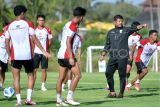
107 85
18 98
0 84
63 85
69 96
126 79
69 83
129 85
43 84
29 94
59 98
138 81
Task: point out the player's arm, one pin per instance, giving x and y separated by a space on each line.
49 38
50 42
68 43
7 42
79 55
38 44
132 50
106 48
32 44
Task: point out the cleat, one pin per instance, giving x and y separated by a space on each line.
63 89
120 95
61 104
137 86
111 96
43 89
19 104
29 102
72 102
106 88
127 89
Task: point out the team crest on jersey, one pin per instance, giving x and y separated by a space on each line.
120 31
40 34
150 49
132 40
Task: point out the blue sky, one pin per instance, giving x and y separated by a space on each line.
135 2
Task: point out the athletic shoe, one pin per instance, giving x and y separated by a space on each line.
19 104
72 102
111 96
120 95
137 86
61 104
43 88
63 89
106 88
29 102
127 89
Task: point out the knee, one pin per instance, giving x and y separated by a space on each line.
145 72
79 76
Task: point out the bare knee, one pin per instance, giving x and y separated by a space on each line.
145 71
79 76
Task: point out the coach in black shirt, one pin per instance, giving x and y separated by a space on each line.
117 44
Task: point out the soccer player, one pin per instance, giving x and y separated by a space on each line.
19 32
133 38
76 45
44 35
3 56
66 57
145 52
117 44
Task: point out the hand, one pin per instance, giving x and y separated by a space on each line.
71 61
145 25
130 57
79 62
101 58
9 60
47 55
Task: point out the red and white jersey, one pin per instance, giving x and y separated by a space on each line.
19 32
68 30
133 39
77 43
3 51
146 51
43 35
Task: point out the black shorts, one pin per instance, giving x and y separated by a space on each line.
28 65
40 57
4 66
140 67
130 63
65 63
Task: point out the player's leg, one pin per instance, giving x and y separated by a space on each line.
64 82
69 76
1 84
44 66
111 67
77 75
36 60
122 66
29 69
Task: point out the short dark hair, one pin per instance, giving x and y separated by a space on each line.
79 11
5 24
41 15
152 31
117 17
19 9
135 23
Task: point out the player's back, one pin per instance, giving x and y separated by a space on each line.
19 32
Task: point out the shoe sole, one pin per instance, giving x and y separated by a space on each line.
72 104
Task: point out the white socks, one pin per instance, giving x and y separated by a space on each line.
59 98
18 98
126 79
129 85
1 84
107 85
63 85
69 96
29 94
138 81
43 84
69 83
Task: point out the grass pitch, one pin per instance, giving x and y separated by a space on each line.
89 91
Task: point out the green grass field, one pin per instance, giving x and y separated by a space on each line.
89 91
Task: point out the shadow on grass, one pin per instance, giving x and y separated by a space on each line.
142 95
99 102
150 89
8 99
82 89
46 102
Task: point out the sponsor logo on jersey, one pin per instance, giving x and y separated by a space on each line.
40 34
132 40
120 31
150 49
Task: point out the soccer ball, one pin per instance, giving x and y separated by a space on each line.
8 92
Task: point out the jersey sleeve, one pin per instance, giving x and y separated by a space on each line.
49 34
31 29
140 37
158 45
7 35
80 42
142 43
71 30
